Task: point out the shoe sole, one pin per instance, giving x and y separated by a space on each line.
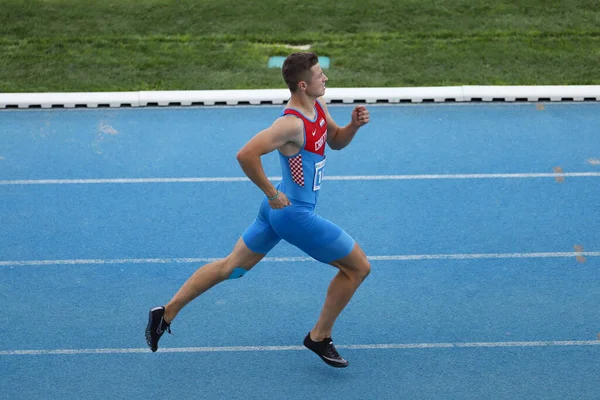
333 364
149 333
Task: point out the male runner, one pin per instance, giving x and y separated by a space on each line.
287 212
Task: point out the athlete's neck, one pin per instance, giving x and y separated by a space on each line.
303 103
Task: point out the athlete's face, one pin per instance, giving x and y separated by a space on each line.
316 86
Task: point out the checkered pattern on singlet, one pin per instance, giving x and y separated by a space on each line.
296 169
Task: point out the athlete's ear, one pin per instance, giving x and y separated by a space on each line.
302 85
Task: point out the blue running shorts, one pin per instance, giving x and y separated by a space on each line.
299 225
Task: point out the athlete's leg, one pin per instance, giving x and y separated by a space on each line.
258 239
254 244
328 243
211 274
353 269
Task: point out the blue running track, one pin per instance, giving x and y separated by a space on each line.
481 222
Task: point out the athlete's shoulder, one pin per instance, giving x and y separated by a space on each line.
288 126
287 119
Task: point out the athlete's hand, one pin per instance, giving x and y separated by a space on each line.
280 202
360 116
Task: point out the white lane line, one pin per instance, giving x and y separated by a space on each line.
414 257
480 256
278 178
124 180
397 346
107 261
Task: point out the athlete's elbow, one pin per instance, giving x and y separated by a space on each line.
336 143
242 156
246 159
335 146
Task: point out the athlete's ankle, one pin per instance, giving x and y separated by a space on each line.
168 317
316 336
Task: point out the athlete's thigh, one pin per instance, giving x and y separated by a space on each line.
316 236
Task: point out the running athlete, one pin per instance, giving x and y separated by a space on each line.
287 212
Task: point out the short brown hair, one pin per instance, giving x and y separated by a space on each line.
296 68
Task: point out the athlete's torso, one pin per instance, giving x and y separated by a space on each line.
303 172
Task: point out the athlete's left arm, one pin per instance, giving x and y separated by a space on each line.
340 137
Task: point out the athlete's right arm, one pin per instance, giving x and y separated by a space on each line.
284 130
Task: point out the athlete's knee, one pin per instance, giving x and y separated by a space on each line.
237 272
364 269
239 261
233 272
358 270
362 266
232 269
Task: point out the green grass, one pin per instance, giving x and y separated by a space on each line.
78 45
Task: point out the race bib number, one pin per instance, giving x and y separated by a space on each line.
319 169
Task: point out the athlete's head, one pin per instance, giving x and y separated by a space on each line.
301 71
